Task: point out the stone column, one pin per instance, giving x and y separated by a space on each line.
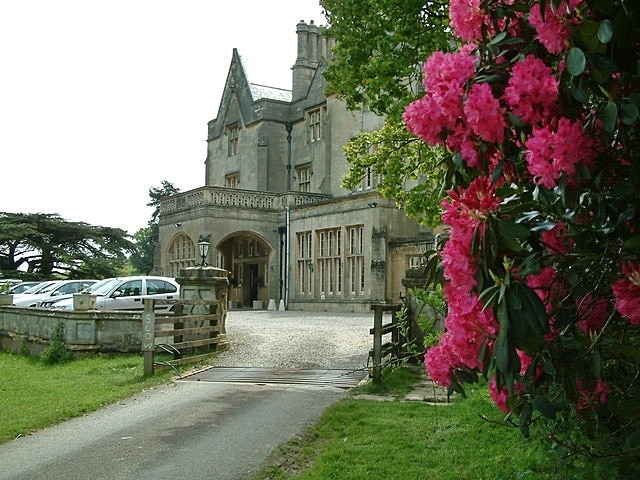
379 265
206 283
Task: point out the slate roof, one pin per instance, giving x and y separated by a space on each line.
271 93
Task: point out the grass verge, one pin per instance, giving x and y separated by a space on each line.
363 439
34 395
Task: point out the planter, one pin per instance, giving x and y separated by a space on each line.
6 299
84 301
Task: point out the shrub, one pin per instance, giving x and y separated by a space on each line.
540 111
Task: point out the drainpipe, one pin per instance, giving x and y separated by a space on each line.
287 254
282 230
289 127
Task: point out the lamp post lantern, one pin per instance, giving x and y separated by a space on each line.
203 248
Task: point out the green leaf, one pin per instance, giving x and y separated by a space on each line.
576 61
501 349
629 113
632 243
525 419
605 31
545 406
609 115
509 227
498 38
604 64
579 91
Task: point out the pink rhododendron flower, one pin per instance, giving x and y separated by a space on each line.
466 19
592 314
459 265
438 113
556 149
484 114
627 293
499 397
468 208
532 90
556 239
468 324
554 27
589 398
525 361
440 362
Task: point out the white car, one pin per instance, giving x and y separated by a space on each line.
53 289
22 287
51 301
128 293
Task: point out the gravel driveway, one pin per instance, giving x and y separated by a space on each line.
292 339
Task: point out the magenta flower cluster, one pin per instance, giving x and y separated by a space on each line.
475 118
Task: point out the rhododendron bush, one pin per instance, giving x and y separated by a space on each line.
539 111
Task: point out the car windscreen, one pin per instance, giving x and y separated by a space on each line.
48 288
106 287
98 285
37 288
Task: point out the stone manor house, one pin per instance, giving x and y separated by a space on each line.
272 206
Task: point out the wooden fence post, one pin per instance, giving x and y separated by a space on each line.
148 335
377 344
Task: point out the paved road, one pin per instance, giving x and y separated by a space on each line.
202 430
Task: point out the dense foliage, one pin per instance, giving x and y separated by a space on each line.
539 111
381 74
146 239
45 245
379 44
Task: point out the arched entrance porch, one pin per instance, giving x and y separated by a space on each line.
246 256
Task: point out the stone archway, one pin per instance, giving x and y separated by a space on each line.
246 257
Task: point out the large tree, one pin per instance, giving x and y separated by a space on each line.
146 239
380 46
46 245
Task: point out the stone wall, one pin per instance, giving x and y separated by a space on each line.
30 330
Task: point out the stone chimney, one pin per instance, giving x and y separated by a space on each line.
313 48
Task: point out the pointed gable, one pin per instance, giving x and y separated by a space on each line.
236 93
239 96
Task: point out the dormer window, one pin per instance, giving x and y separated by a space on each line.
232 135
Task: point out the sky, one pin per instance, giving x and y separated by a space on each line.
101 100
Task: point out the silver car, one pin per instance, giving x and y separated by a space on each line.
128 293
60 287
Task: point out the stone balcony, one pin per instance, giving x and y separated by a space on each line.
236 198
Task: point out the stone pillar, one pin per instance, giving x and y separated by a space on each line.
206 283
379 265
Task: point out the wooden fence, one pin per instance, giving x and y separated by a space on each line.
393 347
197 334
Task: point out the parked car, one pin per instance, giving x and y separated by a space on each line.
61 287
21 287
52 302
41 287
128 293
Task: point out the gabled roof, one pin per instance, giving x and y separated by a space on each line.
246 94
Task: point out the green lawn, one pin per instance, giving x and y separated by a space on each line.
355 439
364 439
34 395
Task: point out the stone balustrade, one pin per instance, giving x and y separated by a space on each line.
243 199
